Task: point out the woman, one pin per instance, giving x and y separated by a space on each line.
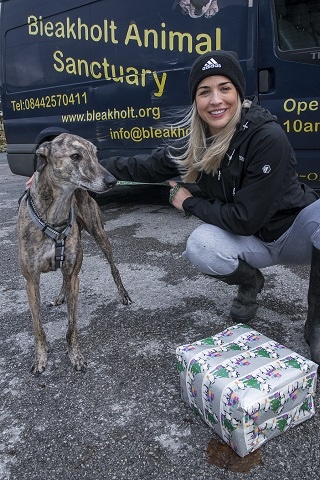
255 211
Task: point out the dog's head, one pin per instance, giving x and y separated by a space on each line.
73 159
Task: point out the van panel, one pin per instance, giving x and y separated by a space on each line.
113 72
116 73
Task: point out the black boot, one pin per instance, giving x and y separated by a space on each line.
250 281
312 325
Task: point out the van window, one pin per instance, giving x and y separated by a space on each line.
298 24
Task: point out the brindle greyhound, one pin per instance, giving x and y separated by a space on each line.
49 238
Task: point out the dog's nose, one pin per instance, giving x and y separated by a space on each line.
110 180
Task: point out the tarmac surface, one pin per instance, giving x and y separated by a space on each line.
124 418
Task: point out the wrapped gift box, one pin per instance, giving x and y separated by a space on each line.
247 387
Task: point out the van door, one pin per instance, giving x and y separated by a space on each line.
289 74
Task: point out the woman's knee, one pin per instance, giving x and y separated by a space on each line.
196 247
315 238
208 252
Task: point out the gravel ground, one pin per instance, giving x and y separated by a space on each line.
124 418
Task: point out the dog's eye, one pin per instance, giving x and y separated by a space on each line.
75 156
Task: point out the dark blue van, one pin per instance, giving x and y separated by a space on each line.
115 71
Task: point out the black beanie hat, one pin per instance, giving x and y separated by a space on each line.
217 62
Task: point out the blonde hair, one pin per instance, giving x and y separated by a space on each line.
204 153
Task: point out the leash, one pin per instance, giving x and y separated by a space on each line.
51 230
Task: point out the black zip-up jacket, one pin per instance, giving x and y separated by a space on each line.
256 190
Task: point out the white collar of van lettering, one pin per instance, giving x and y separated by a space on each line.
212 63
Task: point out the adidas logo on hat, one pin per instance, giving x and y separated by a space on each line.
211 64
217 62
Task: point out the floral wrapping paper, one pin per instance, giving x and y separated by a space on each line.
245 386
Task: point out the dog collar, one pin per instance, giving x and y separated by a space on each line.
51 230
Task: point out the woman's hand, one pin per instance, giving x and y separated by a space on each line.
178 195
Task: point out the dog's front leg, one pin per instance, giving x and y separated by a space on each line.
89 217
72 292
33 292
102 240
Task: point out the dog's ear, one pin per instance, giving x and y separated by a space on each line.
42 154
